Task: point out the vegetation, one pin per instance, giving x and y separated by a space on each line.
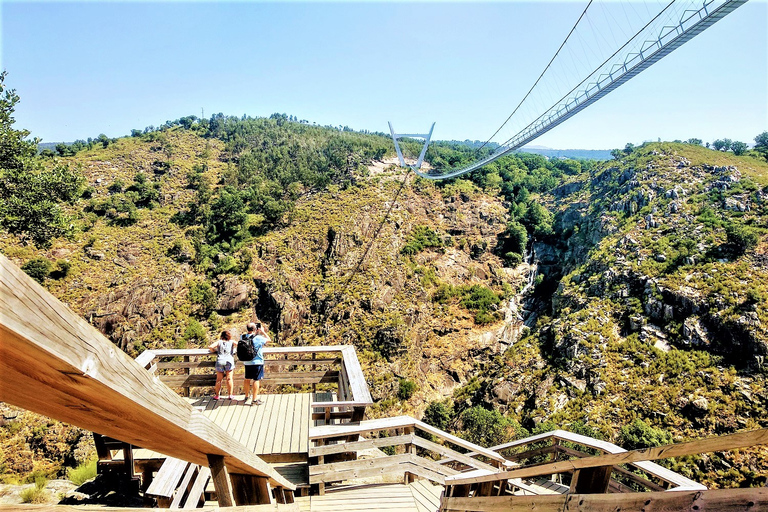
31 194
83 472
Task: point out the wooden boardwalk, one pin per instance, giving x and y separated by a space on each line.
417 497
278 428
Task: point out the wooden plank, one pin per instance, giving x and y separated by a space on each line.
368 444
357 384
167 478
54 363
303 437
182 488
453 455
209 379
591 480
720 500
712 444
198 487
379 462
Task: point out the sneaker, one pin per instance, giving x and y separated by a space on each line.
258 402
247 401
232 397
215 397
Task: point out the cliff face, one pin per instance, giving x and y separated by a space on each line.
657 306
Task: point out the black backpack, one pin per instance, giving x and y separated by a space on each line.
245 349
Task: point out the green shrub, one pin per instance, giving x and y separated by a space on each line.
484 427
83 472
421 238
36 494
437 414
513 259
38 269
639 434
194 332
202 295
406 389
741 238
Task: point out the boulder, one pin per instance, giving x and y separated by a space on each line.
233 294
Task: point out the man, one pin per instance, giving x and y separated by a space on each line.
254 369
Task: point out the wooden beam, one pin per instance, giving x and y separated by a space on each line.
719 500
452 454
221 481
712 444
54 363
368 444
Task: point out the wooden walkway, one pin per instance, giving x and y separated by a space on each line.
279 427
417 497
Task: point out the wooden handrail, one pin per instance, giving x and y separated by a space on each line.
368 426
651 468
712 444
346 356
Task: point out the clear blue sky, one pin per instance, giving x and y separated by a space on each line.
99 67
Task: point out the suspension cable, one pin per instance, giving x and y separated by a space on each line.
593 72
537 80
378 230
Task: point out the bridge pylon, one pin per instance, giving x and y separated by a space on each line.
426 136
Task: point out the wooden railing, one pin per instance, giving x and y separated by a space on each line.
564 445
590 481
335 367
411 453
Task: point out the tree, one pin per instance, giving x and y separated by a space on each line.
629 148
616 154
639 434
484 427
761 144
718 144
738 148
696 142
30 193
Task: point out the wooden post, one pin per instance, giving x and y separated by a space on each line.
221 481
186 372
320 461
263 491
314 384
128 458
408 448
591 480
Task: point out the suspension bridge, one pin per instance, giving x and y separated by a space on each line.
662 34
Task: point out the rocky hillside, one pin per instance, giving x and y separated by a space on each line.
622 299
656 325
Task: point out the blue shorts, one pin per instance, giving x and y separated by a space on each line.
226 367
254 371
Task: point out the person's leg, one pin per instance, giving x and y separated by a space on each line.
217 387
230 384
246 388
257 383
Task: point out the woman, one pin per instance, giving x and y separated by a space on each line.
225 362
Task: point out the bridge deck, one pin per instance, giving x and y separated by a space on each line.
364 498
